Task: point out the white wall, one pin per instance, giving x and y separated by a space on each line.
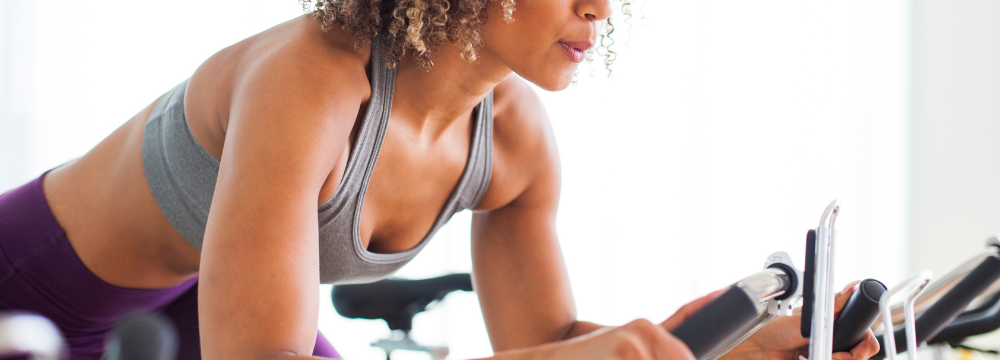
16 35
726 129
956 132
956 129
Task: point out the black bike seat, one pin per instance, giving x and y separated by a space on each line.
395 300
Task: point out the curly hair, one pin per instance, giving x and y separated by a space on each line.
422 26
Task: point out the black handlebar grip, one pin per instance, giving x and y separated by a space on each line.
857 316
942 312
717 322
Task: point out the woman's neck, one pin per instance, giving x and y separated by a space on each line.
434 100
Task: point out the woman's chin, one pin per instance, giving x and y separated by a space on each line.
554 82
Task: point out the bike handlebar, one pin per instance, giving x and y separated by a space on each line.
724 317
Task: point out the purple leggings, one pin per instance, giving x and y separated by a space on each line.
41 273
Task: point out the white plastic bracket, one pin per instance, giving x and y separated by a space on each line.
784 307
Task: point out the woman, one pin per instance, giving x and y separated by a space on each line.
205 203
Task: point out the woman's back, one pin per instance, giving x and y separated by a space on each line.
102 200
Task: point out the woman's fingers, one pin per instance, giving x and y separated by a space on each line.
851 285
840 299
645 340
689 309
672 348
866 349
638 340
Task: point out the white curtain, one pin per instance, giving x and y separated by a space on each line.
724 131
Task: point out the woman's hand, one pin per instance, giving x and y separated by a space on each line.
782 340
638 340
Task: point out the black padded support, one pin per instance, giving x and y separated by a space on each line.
716 322
986 305
395 300
808 285
974 322
950 306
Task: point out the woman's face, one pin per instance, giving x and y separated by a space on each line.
547 39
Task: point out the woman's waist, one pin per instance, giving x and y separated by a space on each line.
109 216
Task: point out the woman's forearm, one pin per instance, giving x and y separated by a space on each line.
548 351
579 328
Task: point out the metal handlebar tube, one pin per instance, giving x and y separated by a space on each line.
723 319
816 289
821 329
775 306
763 318
917 285
951 304
766 284
737 314
22 333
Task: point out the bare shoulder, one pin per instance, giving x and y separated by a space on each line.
524 148
302 68
294 79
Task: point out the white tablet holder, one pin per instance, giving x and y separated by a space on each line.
916 284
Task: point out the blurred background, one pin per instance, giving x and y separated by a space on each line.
724 130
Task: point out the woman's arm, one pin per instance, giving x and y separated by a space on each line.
258 294
519 272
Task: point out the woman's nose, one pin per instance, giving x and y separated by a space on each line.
594 10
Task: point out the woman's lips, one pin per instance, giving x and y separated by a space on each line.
576 55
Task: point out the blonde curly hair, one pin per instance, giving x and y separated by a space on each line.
423 25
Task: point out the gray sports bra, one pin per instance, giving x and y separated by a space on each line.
182 176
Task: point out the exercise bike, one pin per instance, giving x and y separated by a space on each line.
397 301
963 303
744 308
148 336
